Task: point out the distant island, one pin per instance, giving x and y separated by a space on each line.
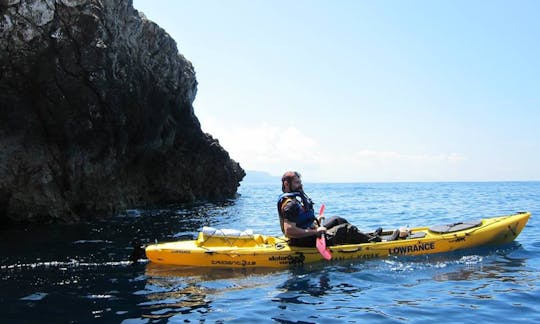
260 177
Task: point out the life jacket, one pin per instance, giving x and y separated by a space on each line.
306 216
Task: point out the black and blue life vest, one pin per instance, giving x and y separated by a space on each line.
306 215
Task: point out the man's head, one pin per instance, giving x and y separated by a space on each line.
291 181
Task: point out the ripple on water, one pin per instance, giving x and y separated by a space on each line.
35 296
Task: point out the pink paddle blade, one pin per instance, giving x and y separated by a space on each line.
321 212
321 247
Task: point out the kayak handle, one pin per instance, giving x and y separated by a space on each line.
351 250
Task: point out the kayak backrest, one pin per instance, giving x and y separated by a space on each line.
455 227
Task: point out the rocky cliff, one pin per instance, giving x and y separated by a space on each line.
96 115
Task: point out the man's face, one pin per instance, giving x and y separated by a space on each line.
296 184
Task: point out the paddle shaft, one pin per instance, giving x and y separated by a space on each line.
321 240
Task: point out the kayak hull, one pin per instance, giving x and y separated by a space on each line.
260 251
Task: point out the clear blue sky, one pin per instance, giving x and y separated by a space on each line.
366 90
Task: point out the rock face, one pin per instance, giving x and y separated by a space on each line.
96 115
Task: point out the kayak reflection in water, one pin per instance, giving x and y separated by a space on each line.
298 221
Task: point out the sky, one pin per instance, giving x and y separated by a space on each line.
366 91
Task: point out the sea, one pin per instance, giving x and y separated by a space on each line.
83 274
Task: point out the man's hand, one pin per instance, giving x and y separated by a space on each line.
321 230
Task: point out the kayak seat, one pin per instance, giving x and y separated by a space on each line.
460 226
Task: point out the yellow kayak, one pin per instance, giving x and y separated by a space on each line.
233 250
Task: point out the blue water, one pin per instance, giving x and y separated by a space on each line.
82 273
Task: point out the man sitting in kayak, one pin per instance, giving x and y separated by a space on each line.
298 221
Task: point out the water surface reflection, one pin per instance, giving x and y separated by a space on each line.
173 290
